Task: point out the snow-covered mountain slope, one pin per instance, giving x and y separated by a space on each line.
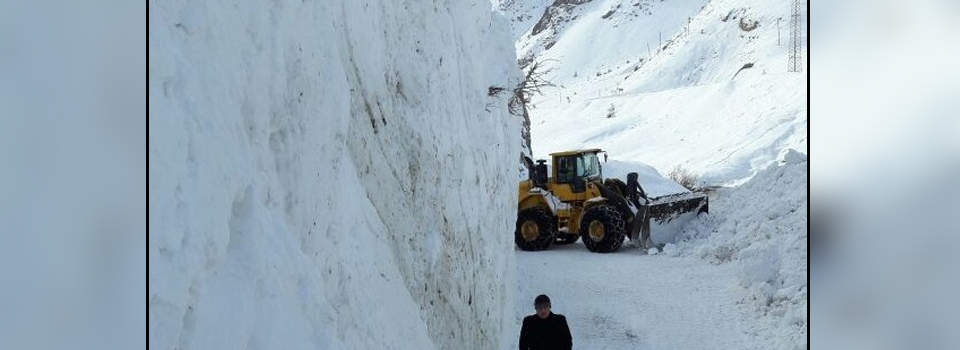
330 175
523 14
694 83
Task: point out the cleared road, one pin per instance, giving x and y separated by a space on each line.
628 300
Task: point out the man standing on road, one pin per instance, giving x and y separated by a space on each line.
545 330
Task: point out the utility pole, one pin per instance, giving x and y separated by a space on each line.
795 26
778 30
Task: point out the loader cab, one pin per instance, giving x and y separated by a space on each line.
576 168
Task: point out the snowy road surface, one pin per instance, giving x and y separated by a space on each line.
626 300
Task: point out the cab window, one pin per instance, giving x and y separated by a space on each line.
566 169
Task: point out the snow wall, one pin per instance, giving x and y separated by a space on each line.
330 175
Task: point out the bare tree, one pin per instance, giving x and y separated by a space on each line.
685 178
531 84
519 104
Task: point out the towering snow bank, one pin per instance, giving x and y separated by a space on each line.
330 174
762 227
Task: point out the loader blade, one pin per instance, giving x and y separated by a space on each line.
668 213
663 208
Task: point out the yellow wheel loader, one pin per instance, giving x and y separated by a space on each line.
576 202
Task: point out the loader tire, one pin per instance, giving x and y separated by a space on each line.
567 238
602 229
536 229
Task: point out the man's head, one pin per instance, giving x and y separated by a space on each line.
542 304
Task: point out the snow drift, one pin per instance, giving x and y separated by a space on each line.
761 226
330 174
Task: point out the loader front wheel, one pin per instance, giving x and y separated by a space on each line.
535 229
602 229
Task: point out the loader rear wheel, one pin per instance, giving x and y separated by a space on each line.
602 229
536 229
